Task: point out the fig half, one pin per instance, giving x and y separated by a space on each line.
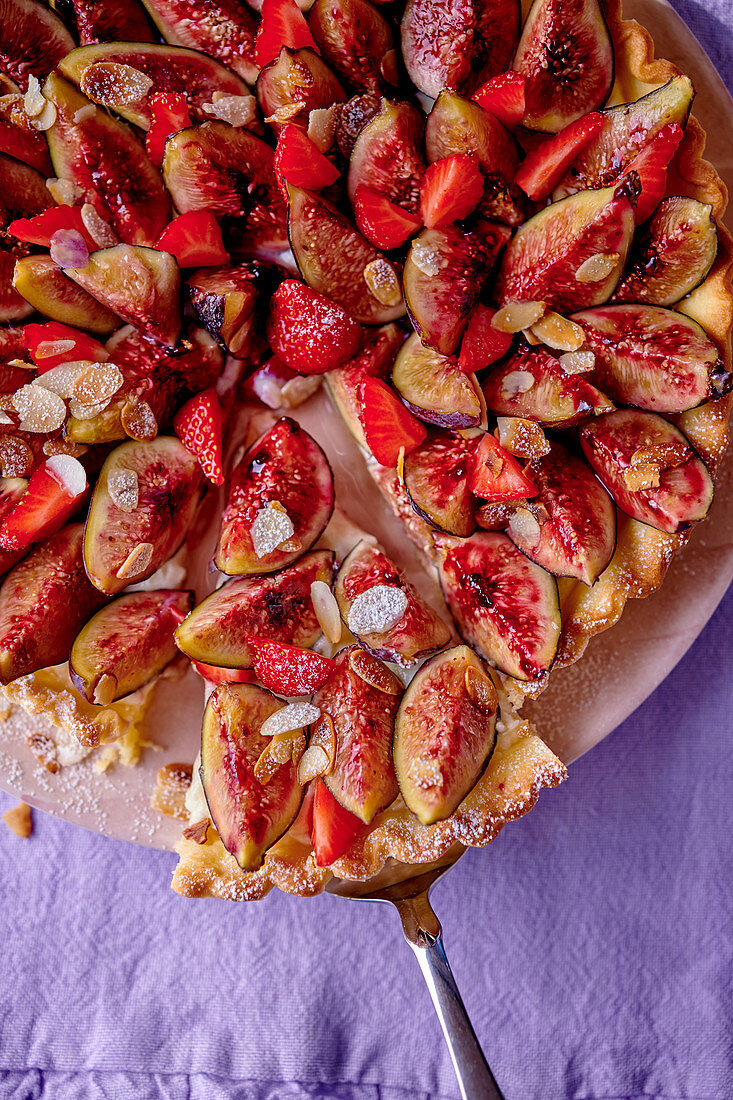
23 194
296 83
504 605
532 385
46 288
436 479
249 816
388 156
34 41
114 21
445 733
355 40
433 387
127 644
224 29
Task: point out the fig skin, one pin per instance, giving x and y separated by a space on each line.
224 29
362 779
351 118
47 289
653 358
388 156
504 606
297 76
673 254
444 737
354 39
130 640
418 634
374 360
566 56
684 493
44 601
249 816
276 607
23 194
436 477
224 301
554 397
434 389
34 41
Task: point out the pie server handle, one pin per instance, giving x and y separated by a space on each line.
423 933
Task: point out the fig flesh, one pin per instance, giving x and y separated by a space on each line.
280 499
653 358
23 194
113 21
351 118
124 547
434 389
18 138
34 41
417 634
249 816
11 491
362 779
276 607
532 385
355 40
445 733
374 360
436 476
649 467
294 84
224 301
388 157
47 289
504 605
224 29
126 644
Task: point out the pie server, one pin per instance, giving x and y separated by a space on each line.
422 931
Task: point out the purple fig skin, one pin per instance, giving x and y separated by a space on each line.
47 289
297 76
532 385
356 41
387 155
224 301
434 389
224 29
436 479
685 491
34 41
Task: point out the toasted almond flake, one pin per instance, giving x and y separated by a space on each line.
297 748
517 315
5 419
237 110
641 477
377 609
69 473
524 528
383 283
322 127
278 752
97 383
137 561
64 447
427 258
292 717
327 611
22 364
425 772
33 100
69 249
493 462
323 735
268 389
98 229
46 119
19 820
46 348
558 332
286 112
123 488
517 381
60 380
198 832
86 412
293 545
597 267
530 337
16 457
665 456
523 438
271 528
64 192
577 362
114 84
539 511
85 112
480 689
105 690
495 515
298 390
313 763
39 409
138 419
374 673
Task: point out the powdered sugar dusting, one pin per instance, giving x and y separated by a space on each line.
377 609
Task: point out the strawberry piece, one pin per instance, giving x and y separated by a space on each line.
334 829
482 343
503 96
309 332
283 24
194 239
288 669
300 162
216 675
40 230
541 171
650 165
381 221
388 425
42 340
169 115
496 474
199 426
450 189
54 492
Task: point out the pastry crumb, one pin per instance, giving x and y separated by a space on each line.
19 820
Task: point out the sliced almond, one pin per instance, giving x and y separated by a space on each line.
272 526
322 127
524 527
577 362
198 832
16 457
300 389
289 719
237 110
374 673
97 384
40 410
46 119
19 820
286 112
327 611
104 692
377 609
64 192
323 734
517 315
517 381
597 267
523 438
313 763
123 488
383 282
98 229
481 690
427 258
137 561
33 100
297 748
114 84
558 332
64 447
138 419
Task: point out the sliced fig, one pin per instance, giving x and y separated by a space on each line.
674 253
436 478
418 633
44 601
34 41
458 45
387 154
280 499
127 644
23 194
141 285
224 301
653 358
11 490
332 255
570 255
566 57
123 547
504 605
362 779
277 607
356 41
649 467
352 117
249 816
170 69
432 386
531 384
18 138
571 530
46 288
224 29
113 21
445 733
294 84
374 360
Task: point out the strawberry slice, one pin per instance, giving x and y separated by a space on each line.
383 222
309 332
216 675
169 115
199 426
40 230
541 171
288 669
388 425
503 96
54 492
283 24
496 474
52 343
334 829
482 343
651 164
194 239
450 189
300 162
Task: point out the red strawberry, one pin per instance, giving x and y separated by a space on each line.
482 344
300 162
650 165
199 425
40 230
283 24
170 114
216 675
388 425
287 669
496 474
54 492
503 96
541 171
334 829
383 222
309 332
450 189
194 239
42 341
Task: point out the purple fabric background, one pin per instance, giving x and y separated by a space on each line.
593 942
